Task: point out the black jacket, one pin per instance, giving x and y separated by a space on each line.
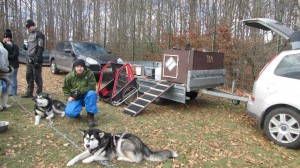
36 43
13 54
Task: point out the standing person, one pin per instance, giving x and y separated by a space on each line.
13 59
79 87
35 48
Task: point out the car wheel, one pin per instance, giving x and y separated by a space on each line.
53 67
282 125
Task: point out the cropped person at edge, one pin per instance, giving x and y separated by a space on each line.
13 59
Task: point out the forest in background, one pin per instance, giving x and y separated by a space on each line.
140 29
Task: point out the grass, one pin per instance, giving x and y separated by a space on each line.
205 132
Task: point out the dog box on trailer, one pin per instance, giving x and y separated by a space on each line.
177 64
149 71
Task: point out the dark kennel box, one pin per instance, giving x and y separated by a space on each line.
177 63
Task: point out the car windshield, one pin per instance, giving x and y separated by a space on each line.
84 48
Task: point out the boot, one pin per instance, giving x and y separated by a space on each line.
90 120
27 95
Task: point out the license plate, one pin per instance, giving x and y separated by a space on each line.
108 69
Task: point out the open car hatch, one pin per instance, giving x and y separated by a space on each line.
270 24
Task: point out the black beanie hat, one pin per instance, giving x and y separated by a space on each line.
80 62
7 34
29 23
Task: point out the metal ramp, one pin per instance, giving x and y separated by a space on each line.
148 97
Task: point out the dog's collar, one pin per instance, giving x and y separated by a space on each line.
93 151
45 109
117 135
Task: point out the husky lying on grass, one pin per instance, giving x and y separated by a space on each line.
102 146
45 106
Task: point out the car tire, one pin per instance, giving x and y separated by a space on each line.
53 67
282 126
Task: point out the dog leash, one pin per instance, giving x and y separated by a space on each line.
114 135
50 124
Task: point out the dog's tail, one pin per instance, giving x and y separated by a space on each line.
58 110
58 107
159 156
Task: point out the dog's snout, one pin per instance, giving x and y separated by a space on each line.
87 145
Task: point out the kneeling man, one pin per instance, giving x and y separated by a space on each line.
79 88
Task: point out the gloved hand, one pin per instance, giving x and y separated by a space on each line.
36 64
31 61
10 69
77 95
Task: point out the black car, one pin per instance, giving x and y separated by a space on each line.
23 57
65 53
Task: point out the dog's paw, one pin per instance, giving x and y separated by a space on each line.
87 160
120 158
7 106
36 123
63 114
71 163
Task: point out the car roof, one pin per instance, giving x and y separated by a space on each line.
74 41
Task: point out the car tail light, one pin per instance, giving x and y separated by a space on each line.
266 66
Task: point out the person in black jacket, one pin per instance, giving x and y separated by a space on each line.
35 48
13 59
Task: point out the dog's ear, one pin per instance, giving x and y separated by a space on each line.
101 134
82 131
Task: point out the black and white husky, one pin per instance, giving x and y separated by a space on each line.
45 106
102 146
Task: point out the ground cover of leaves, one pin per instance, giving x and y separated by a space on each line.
205 132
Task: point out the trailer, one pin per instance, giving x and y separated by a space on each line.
180 77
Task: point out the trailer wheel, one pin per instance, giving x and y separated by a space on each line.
159 101
192 95
235 102
129 95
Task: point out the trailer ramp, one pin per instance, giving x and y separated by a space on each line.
148 97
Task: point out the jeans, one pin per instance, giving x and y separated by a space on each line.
14 81
74 107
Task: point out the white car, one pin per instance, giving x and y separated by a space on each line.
275 100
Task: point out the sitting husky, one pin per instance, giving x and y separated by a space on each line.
102 146
45 106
